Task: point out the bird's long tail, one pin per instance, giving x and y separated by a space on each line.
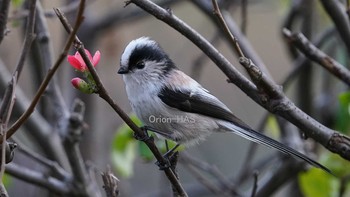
259 138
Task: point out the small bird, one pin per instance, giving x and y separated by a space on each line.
176 106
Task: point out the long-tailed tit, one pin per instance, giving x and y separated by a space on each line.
169 101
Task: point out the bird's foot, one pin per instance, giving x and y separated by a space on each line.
144 136
170 161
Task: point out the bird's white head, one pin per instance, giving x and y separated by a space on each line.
144 60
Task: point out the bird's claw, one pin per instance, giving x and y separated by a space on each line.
163 165
142 137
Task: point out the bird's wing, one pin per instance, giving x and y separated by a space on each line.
203 103
200 102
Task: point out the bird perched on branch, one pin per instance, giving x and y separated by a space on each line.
176 106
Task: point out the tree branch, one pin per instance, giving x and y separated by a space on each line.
4 9
102 92
341 21
312 52
39 179
48 76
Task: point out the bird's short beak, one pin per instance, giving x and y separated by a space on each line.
123 70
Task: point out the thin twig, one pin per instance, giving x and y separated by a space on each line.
39 179
246 46
341 21
224 183
227 31
313 53
4 120
52 106
4 9
110 183
41 130
48 76
102 92
278 176
255 184
53 165
28 38
213 188
244 16
71 144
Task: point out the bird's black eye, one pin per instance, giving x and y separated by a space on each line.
140 65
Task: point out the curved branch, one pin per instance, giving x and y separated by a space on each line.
39 179
103 93
341 21
316 55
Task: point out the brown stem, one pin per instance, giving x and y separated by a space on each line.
102 92
48 76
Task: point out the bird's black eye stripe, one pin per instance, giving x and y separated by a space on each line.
140 65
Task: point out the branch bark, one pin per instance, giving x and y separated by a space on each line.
312 52
337 12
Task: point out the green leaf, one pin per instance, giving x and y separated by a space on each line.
7 180
343 116
336 164
272 127
125 149
123 160
315 182
17 3
144 152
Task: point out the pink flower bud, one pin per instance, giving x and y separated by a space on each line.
81 85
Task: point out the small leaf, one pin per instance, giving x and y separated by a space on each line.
125 149
315 182
7 180
17 3
336 164
123 159
144 152
343 115
272 127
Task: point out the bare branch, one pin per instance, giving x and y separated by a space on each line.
48 76
337 13
221 184
39 179
71 144
4 9
227 31
52 165
316 55
255 185
110 183
102 92
278 176
245 45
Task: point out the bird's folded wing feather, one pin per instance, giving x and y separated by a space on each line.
203 103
